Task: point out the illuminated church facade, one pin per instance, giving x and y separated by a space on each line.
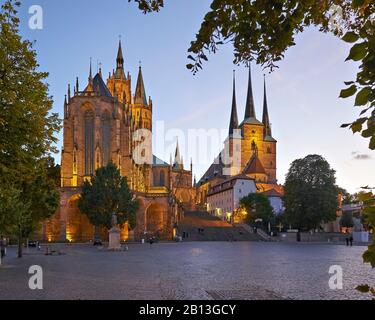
108 121
249 153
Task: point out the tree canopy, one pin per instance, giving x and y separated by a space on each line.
310 193
106 193
257 206
262 31
27 129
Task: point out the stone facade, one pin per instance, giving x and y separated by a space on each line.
108 122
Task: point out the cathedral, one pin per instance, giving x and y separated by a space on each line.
109 121
249 152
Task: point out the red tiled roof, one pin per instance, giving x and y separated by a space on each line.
272 193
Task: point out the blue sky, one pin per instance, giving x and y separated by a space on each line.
304 107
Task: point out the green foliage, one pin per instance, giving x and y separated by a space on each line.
368 199
346 197
310 193
257 206
105 194
263 30
27 130
149 5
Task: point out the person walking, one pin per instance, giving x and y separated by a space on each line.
347 241
2 246
351 241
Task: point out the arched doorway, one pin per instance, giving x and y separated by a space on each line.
78 226
155 219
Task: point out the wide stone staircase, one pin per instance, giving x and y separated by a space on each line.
213 229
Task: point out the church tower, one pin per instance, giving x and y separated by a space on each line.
269 143
232 149
252 128
119 84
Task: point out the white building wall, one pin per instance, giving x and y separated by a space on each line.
224 203
242 188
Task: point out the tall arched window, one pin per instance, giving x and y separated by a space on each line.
156 180
162 178
89 142
106 134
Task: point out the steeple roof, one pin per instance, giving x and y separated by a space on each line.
100 87
140 93
233 116
119 73
254 166
250 108
265 119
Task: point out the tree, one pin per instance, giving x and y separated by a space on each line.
368 199
257 206
26 131
53 171
346 197
346 220
262 30
310 193
106 193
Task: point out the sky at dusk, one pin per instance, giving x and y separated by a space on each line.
303 102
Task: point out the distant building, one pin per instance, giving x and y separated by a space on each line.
276 201
250 151
224 198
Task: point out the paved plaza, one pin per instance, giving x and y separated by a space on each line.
191 270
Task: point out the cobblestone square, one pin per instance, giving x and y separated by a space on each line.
191 270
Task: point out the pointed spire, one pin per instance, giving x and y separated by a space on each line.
120 57
266 120
140 94
120 73
233 116
177 156
69 94
77 85
100 69
195 181
65 108
250 109
90 74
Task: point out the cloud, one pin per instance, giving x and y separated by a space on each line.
361 156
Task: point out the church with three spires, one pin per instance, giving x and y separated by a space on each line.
249 153
109 122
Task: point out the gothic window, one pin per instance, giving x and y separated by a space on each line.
156 180
106 141
89 142
162 178
269 150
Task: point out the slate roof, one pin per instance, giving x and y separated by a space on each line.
157 162
99 86
254 166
